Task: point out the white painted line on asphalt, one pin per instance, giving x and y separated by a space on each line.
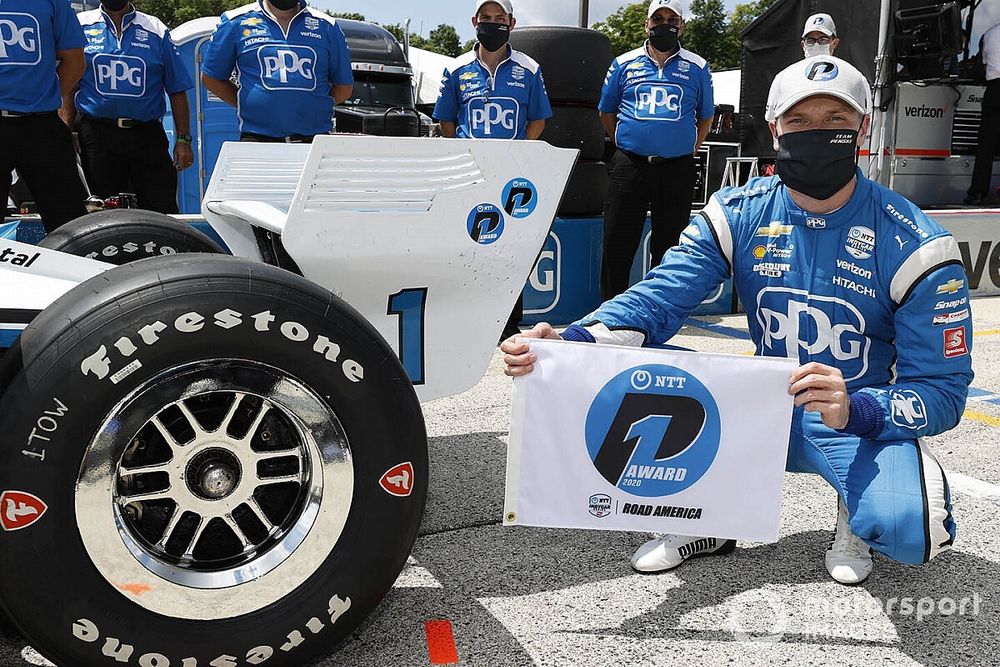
33 657
971 486
414 576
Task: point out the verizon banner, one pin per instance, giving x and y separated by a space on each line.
618 438
978 237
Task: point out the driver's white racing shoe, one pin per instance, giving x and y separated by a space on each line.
849 559
665 552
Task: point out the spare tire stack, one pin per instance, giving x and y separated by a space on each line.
574 62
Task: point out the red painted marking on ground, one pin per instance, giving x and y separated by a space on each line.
440 643
136 589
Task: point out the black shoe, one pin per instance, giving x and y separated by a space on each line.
974 200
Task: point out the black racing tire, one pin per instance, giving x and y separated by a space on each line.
585 194
576 127
574 61
121 236
215 326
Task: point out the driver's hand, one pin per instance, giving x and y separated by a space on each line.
516 357
822 389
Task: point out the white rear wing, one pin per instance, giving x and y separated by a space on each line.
430 239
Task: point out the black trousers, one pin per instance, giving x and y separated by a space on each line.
41 149
989 141
136 160
635 186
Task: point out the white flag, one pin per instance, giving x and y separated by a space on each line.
619 438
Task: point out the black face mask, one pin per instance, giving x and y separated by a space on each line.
664 37
115 5
492 36
284 5
817 163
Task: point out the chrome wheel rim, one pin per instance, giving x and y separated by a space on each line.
234 485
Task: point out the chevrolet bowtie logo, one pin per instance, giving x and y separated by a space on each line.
951 287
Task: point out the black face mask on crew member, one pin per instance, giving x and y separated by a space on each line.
664 37
284 5
817 163
492 36
115 5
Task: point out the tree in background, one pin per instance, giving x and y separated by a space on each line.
176 12
625 28
708 32
352 16
444 39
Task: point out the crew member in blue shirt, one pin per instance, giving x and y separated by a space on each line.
292 64
494 92
41 61
658 106
132 65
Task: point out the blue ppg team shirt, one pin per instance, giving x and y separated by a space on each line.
876 289
127 77
658 108
487 107
31 32
284 80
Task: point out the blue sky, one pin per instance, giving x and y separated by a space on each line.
458 12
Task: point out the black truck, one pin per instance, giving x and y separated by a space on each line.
382 102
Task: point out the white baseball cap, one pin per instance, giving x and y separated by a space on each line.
820 23
819 75
507 6
672 5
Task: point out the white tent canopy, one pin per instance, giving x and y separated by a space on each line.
727 87
427 70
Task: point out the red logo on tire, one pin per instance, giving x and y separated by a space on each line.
954 343
19 509
398 480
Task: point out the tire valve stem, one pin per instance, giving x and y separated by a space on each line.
265 435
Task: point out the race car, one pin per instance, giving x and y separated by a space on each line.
214 461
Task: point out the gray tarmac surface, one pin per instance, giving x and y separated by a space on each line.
523 596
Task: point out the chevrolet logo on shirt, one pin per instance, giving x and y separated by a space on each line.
253 21
775 230
951 287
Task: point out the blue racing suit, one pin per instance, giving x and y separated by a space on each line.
876 289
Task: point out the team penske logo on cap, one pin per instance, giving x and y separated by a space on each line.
823 70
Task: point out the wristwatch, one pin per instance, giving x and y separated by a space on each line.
184 138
